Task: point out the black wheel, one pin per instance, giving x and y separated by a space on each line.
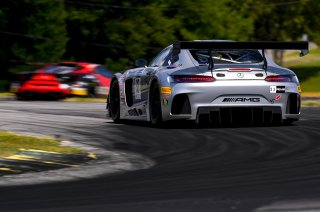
114 101
155 105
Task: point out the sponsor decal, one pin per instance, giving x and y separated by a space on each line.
121 79
165 101
277 89
241 99
137 88
102 90
278 97
299 88
133 112
79 91
64 86
166 90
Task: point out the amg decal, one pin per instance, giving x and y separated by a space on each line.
241 100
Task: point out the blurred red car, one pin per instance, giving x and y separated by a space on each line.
57 81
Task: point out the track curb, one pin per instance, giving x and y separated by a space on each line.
107 163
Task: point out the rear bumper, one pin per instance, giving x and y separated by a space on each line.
42 89
215 99
43 92
239 115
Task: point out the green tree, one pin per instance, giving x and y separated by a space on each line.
42 24
283 21
140 33
85 25
205 19
122 32
31 31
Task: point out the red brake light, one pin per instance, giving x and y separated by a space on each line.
193 78
278 78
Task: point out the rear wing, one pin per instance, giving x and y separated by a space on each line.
303 46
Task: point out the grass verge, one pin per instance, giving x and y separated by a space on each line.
310 94
311 103
11 143
6 94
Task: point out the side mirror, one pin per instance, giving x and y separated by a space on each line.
140 63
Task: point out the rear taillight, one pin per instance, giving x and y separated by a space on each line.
279 78
193 78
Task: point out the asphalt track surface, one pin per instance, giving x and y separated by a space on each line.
197 168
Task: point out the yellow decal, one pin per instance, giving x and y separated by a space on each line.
92 155
21 157
79 92
7 169
166 90
299 88
58 163
39 151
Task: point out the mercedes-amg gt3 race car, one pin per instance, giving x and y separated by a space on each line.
219 82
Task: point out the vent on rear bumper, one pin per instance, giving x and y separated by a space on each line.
239 115
293 104
180 105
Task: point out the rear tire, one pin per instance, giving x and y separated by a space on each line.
114 101
155 105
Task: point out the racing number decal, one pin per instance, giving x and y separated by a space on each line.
277 89
273 89
137 88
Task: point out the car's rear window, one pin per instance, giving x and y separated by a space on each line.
60 69
227 56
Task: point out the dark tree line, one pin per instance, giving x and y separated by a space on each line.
115 33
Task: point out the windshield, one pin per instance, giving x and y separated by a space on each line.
227 56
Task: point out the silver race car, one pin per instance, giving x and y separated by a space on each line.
218 82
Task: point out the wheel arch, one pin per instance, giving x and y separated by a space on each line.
114 78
